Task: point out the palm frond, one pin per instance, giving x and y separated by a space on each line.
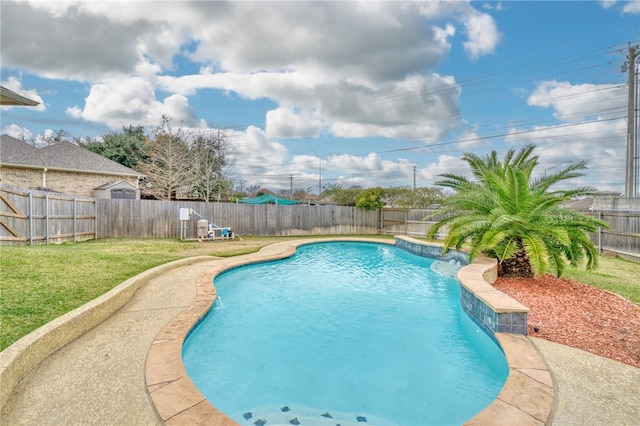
502 210
557 262
538 253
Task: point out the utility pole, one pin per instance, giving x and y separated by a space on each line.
291 182
414 177
630 177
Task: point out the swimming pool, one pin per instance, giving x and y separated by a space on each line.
343 333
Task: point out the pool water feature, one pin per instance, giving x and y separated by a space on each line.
361 332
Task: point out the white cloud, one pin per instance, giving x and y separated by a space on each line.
483 35
632 7
606 4
348 69
371 170
445 164
132 102
254 153
574 103
357 68
389 41
419 107
74 45
595 142
493 6
290 123
17 132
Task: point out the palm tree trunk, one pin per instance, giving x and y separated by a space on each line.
516 266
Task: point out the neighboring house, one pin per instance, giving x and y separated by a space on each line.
605 201
62 167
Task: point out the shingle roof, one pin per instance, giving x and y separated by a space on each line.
14 151
582 204
63 155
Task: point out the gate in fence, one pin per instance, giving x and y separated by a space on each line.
39 217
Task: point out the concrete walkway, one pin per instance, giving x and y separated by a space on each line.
98 379
592 390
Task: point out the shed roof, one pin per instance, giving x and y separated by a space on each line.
114 184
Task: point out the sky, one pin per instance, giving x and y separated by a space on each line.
347 93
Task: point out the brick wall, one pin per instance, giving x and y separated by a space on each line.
23 178
65 182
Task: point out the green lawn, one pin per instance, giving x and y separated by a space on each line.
40 283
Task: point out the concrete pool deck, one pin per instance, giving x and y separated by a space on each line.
99 378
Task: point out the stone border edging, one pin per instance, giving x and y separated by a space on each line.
24 355
528 397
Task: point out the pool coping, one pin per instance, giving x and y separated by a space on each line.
527 398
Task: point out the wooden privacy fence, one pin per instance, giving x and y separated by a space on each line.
623 239
411 222
160 219
39 217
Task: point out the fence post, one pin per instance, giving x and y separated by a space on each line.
95 218
46 219
599 233
75 216
30 202
406 222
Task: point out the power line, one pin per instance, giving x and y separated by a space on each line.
481 80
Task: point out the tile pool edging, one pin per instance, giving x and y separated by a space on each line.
528 396
492 310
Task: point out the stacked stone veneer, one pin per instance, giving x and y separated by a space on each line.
492 310
76 183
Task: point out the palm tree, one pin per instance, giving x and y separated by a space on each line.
507 215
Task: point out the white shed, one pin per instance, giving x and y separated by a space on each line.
117 191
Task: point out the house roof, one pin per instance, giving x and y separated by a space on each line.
61 156
9 97
581 204
14 151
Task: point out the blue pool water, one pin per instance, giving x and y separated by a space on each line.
344 333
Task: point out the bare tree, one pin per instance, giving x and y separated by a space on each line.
209 165
252 190
55 137
301 194
240 184
166 165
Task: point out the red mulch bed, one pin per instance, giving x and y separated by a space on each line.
578 315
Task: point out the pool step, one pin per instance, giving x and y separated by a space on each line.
289 415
